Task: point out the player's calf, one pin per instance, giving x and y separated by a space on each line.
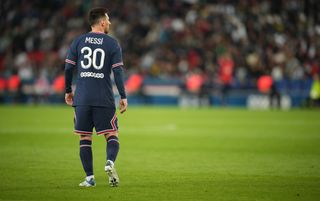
86 159
112 152
113 147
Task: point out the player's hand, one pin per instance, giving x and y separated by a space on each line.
123 104
68 97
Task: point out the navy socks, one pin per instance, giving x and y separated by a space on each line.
86 156
86 153
112 148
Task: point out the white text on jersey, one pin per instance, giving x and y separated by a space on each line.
92 40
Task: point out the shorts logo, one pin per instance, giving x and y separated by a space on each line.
91 74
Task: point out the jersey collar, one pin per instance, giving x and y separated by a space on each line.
97 32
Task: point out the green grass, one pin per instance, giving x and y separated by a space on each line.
167 154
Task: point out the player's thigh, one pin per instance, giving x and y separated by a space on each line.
83 120
105 120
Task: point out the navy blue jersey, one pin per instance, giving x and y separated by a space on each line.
94 55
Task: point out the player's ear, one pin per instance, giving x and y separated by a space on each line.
102 22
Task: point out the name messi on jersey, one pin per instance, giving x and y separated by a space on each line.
92 40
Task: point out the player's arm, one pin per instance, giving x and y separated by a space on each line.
119 80
70 64
117 68
68 82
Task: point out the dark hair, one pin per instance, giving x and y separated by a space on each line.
95 14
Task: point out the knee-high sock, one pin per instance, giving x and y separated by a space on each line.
112 148
86 156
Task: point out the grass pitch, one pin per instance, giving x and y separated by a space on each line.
168 154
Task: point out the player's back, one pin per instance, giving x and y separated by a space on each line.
96 54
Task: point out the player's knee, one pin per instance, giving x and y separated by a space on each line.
86 137
111 134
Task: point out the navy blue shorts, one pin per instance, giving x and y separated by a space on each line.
103 119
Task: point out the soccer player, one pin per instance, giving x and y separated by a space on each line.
95 55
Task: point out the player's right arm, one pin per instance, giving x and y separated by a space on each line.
70 64
119 80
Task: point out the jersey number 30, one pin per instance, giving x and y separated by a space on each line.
91 58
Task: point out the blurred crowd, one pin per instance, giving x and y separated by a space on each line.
228 42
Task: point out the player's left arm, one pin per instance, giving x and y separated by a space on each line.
117 69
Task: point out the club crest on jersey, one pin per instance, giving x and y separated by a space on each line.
93 40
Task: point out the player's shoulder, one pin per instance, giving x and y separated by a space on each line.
78 38
112 40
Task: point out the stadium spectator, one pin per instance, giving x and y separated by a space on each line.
226 66
134 83
2 89
168 39
315 91
14 87
266 85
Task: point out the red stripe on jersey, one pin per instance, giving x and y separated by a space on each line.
113 124
82 132
70 61
117 64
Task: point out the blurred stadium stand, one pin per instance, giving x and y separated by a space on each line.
220 47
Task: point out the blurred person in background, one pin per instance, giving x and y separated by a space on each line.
58 88
170 38
226 68
315 91
2 89
14 87
266 85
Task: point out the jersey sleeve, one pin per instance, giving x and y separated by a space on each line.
116 57
71 58
70 63
119 80
117 63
